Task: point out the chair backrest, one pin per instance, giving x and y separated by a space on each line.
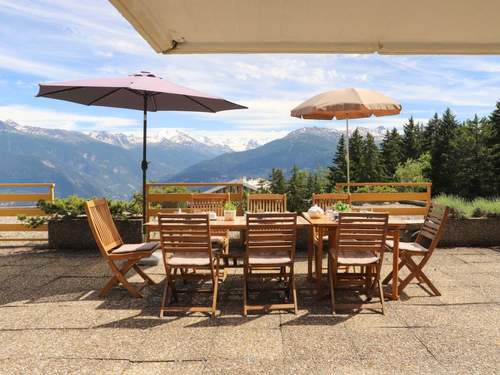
185 233
433 227
359 231
271 233
209 202
260 203
102 226
328 200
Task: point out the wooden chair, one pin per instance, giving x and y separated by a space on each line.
213 202
186 244
426 242
326 201
261 203
329 200
270 252
113 249
360 241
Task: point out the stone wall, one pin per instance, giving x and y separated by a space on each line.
480 231
76 234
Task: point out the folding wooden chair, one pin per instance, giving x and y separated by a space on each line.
185 242
261 203
426 242
213 202
326 201
113 249
360 241
270 252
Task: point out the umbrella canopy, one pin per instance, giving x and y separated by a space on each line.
349 103
345 104
130 91
143 91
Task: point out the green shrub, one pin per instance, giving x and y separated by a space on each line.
463 208
74 206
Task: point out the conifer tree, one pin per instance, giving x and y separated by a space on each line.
278 182
428 133
337 171
392 152
493 144
356 148
412 140
370 160
444 155
297 190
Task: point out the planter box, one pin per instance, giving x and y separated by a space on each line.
75 234
481 231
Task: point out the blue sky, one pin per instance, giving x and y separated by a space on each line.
44 41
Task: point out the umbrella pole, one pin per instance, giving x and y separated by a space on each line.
347 156
144 163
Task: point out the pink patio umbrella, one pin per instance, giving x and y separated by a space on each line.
348 103
143 91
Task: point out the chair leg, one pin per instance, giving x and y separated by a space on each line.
144 276
294 290
114 280
331 277
215 282
165 297
245 289
416 272
381 295
121 277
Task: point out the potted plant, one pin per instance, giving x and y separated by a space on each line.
230 211
341 207
68 227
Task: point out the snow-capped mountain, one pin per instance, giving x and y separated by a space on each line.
175 136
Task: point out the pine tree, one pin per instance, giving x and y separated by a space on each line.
444 155
428 133
297 190
372 168
356 148
278 182
412 140
337 171
493 144
474 175
392 152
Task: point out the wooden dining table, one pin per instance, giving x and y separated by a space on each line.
325 226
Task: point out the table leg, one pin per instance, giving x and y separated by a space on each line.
310 252
395 266
319 262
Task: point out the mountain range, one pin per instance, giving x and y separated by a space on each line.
107 164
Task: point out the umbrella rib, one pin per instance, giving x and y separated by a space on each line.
104 96
154 102
199 103
61 90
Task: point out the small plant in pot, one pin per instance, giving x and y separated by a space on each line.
341 207
230 211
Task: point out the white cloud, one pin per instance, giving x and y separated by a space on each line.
46 118
39 69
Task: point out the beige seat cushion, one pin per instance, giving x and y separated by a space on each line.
188 259
135 247
408 246
357 257
268 257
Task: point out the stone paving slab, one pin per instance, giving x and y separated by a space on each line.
52 321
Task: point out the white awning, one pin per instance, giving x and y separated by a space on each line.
317 26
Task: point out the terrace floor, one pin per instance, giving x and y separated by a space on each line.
52 321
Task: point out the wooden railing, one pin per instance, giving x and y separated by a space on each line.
16 201
404 195
159 201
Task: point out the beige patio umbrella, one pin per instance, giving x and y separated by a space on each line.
348 103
